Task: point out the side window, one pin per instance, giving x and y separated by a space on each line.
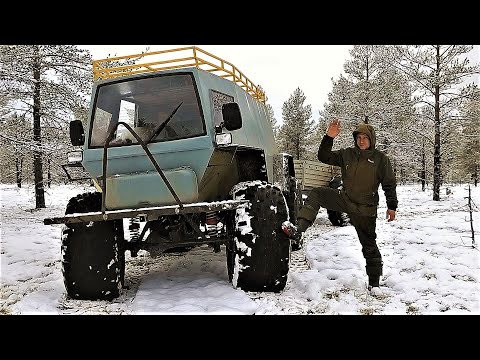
218 99
100 127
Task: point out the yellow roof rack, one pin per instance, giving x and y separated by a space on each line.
175 59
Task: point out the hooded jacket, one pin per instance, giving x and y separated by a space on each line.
363 171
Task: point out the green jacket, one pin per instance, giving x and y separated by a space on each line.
362 173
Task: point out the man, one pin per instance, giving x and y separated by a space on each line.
363 169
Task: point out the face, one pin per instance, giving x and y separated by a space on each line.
363 141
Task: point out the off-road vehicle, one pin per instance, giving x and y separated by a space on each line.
182 154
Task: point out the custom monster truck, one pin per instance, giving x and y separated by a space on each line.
182 154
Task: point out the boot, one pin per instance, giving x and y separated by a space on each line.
374 270
295 232
376 291
291 231
373 280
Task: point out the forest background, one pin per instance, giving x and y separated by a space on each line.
421 100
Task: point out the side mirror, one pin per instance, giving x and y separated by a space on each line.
232 118
77 135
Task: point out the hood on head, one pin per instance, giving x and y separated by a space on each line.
365 129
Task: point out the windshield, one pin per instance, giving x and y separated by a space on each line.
145 104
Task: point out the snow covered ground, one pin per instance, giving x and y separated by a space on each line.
431 265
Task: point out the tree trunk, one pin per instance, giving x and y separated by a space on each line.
437 170
37 136
18 171
423 173
49 173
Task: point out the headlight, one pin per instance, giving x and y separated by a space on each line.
223 139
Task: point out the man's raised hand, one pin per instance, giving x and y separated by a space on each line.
334 128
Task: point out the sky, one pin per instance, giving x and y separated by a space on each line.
278 69
431 265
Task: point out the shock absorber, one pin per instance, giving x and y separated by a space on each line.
211 223
134 228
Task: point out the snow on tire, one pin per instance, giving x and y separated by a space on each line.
261 249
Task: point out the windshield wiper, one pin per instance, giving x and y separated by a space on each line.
160 127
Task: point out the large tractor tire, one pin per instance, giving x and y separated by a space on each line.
259 260
295 202
93 255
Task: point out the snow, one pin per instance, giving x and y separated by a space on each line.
431 265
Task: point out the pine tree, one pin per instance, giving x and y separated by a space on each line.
374 92
469 159
295 134
273 121
438 73
15 134
46 84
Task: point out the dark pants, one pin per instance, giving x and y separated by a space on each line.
365 226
